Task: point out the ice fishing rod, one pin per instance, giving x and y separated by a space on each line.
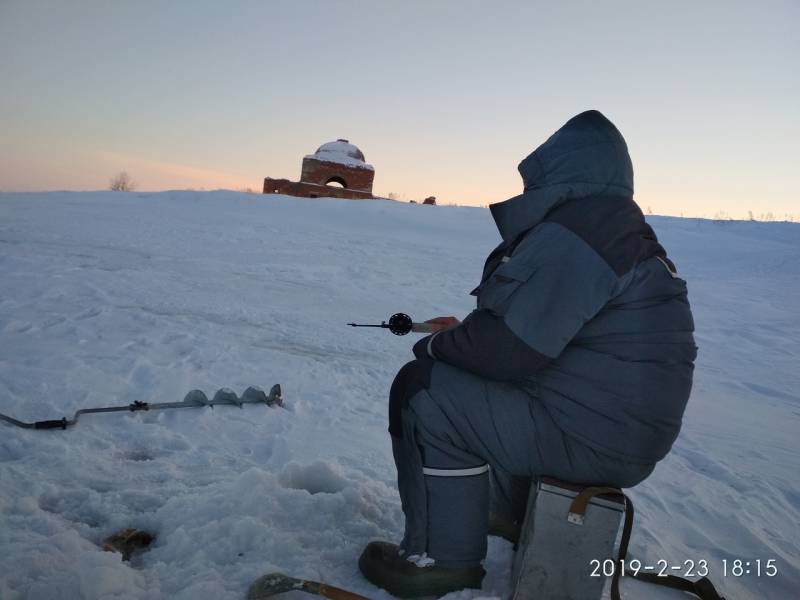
401 324
194 399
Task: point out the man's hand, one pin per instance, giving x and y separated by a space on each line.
421 349
442 323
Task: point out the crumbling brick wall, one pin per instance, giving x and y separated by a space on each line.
311 190
323 172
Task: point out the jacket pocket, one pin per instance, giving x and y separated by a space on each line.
501 285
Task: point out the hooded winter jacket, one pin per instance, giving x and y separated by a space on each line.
579 303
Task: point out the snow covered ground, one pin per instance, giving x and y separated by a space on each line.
107 298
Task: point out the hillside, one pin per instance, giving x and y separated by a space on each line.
107 298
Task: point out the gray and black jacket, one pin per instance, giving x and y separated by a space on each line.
579 303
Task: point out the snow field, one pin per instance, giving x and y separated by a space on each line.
107 298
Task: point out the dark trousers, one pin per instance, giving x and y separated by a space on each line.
449 429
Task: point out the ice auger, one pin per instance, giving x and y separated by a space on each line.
194 399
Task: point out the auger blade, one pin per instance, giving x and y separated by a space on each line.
255 394
196 398
275 395
226 396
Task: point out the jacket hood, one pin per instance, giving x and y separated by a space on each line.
587 156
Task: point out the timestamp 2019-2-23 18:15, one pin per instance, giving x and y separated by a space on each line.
737 567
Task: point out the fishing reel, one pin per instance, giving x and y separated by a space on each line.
401 324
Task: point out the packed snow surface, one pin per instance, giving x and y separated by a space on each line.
107 298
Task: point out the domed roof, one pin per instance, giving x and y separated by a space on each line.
342 152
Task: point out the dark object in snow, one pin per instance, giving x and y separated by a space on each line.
194 399
383 565
400 324
430 201
273 584
128 541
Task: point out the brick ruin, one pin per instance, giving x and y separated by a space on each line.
334 164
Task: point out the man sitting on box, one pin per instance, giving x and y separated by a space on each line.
577 364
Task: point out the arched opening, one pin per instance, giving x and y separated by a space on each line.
336 181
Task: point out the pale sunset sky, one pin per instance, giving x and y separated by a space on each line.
444 98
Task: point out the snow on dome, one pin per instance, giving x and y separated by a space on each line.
341 146
341 152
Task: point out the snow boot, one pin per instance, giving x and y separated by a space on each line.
415 576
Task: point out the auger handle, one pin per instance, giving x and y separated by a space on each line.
54 424
274 584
